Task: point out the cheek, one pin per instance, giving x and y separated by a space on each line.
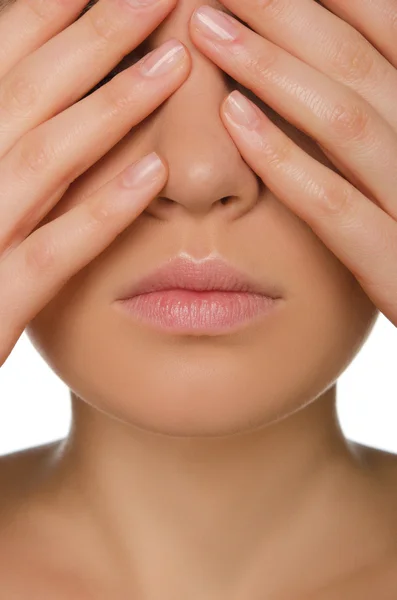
212 386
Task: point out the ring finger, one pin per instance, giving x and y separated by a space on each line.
68 65
44 262
357 231
333 47
61 149
376 20
338 118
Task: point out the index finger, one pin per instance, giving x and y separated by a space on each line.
36 22
324 41
67 66
354 228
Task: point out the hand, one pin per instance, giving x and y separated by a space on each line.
328 80
47 140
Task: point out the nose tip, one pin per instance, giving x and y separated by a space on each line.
206 170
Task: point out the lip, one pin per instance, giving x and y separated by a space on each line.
206 297
214 274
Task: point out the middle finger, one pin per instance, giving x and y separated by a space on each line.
323 40
62 70
326 110
60 150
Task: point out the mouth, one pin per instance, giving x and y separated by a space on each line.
198 298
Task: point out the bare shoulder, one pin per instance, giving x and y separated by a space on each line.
24 460
25 457
377 581
23 572
381 463
20 470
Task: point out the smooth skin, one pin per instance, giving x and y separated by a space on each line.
39 156
288 509
338 89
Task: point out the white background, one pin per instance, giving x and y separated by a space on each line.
35 404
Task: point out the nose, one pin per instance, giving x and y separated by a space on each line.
206 170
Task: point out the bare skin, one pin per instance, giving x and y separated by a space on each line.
335 513
196 467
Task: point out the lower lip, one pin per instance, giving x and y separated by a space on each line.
187 311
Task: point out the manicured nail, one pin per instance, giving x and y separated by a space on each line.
215 24
163 59
144 172
140 3
241 110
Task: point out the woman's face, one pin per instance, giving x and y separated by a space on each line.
201 384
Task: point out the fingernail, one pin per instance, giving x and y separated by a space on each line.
144 172
163 59
241 110
215 24
140 3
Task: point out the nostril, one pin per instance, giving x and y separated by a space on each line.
226 200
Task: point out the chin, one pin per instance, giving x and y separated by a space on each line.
201 386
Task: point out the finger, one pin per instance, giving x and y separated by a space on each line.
44 262
348 174
321 39
25 25
66 67
357 231
377 21
336 117
61 149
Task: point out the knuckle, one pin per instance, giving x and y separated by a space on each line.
334 200
103 26
19 95
352 58
274 7
259 67
34 156
120 94
112 97
350 120
98 213
277 156
41 9
40 256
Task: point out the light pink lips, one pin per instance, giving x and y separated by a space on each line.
198 298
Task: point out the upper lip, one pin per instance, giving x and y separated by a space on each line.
212 274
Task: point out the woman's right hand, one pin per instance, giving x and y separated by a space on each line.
49 136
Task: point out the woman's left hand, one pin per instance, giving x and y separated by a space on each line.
333 75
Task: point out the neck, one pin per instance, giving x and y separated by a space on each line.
206 511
